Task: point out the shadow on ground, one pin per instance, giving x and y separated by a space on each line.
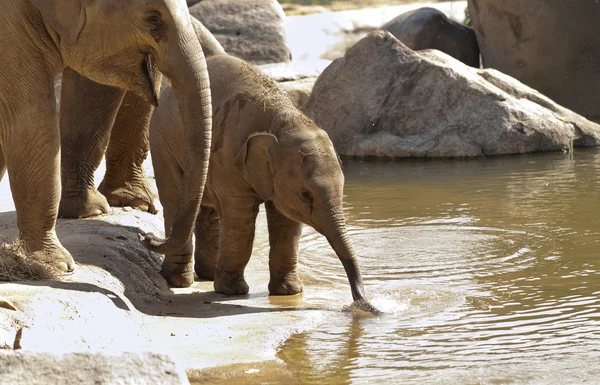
112 262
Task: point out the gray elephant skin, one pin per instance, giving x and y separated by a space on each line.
264 150
99 121
115 43
429 28
552 46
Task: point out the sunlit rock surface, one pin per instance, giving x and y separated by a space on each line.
27 368
382 99
552 46
249 29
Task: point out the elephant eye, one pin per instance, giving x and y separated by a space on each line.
155 25
153 18
306 196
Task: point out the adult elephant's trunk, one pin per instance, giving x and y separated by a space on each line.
334 229
186 68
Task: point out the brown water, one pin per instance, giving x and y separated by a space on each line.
488 270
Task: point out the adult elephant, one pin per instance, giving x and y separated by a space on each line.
116 43
97 120
549 45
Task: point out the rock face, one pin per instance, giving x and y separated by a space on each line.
429 28
30 368
297 81
552 46
383 99
249 29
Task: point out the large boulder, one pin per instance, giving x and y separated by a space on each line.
429 28
249 29
296 80
552 46
384 99
29 368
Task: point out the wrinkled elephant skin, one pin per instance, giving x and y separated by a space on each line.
97 120
118 44
264 150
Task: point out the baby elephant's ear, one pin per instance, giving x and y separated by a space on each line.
254 161
66 16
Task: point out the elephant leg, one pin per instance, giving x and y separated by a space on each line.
238 219
206 251
284 235
32 153
125 183
177 268
2 164
88 111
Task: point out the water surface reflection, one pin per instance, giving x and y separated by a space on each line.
488 268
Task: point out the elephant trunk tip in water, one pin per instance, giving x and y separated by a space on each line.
363 305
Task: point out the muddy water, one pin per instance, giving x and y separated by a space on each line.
488 270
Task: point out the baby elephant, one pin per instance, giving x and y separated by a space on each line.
264 150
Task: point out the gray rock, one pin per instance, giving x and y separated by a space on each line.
429 28
249 29
296 80
552 46
383 99
208 41
33 368
299 90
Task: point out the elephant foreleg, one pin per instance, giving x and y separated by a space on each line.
88 111
125 182
32 154
238 219
284 235
206 251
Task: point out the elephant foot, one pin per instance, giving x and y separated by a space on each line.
55 256
289 285
204 271
82 205
178 274
231 284
137 195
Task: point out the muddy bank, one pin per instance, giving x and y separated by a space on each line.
116 300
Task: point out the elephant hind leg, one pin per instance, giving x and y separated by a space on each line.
284 235
206 252
88 111
125 183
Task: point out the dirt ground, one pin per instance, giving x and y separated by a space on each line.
293 9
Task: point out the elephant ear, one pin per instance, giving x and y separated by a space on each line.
254 161
66 16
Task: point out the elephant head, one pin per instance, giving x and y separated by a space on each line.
300 172
123 43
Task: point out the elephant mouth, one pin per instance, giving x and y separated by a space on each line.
150 74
